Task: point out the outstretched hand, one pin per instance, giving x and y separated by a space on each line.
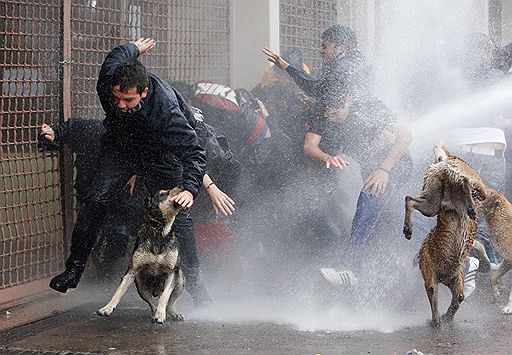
376 182
275 58
221 202
144 44
184 199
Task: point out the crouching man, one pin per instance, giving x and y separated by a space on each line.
146 130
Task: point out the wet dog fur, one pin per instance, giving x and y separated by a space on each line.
497 211
155 263
448 190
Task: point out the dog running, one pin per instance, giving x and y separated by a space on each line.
155 263
448 189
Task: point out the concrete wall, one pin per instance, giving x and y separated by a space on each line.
254 25
506 21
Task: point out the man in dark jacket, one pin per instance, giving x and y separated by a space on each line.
342 70
146 131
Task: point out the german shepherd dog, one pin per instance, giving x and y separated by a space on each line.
448 189
155 264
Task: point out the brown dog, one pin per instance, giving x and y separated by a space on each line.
448 189
498 214
155 264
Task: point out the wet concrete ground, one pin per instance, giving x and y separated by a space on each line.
478 329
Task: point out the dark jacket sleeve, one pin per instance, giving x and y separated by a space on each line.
181 139
81 135
117 56
306 82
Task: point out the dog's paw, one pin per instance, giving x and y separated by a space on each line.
159 317
471 212
105 311
407 232
506 310
433 323
176 317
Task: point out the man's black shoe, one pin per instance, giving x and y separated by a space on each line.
68 279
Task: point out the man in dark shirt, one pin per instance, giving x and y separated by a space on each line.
146 129
342 69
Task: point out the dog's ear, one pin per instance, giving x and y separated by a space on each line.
441 152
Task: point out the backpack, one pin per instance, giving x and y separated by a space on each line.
234 112
222 165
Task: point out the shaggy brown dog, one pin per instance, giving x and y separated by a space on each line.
155 264
448 189
498 214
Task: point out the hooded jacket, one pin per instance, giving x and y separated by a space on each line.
156 134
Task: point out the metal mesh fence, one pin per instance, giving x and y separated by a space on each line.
192 41
30 207
301 24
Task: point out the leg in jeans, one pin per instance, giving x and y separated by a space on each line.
368 211
109 181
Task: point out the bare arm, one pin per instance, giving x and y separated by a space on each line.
312 150
378 180
402 141
221 202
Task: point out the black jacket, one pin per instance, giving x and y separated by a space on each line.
83 137
159 131
340 77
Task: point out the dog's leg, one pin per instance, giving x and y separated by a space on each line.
457 288
120 291
159 316
431 287
508 308
428 208
176 292
502 270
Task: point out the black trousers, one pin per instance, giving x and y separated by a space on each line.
108 187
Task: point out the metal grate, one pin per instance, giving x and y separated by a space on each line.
30 209
301 24
192 41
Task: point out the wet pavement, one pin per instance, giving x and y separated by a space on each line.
235 328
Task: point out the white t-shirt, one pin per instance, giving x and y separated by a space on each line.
467 136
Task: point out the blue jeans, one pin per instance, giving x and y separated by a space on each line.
368 211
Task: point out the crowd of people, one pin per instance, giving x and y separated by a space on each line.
274 160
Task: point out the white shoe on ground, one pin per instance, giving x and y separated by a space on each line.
339 278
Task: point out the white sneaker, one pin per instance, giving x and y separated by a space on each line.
470 270
339 278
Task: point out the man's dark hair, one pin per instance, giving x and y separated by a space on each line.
129 74
339 35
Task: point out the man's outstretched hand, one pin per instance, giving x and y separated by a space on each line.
184 199
144 44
